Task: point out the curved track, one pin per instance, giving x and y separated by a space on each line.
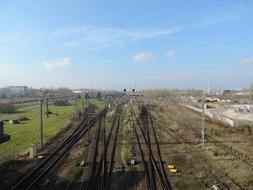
48 163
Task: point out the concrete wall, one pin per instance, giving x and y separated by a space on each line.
217 116
223 118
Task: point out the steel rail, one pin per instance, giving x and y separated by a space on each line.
110 168
100 165
158 172
142 154
94 162
58 154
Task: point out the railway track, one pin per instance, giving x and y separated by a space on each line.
102 168
221 146
222 179
156 177
32 179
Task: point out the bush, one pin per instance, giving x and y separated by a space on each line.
49 112
61 103
23 118
7 108
99 96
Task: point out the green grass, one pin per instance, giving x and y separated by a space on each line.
27 133
100 104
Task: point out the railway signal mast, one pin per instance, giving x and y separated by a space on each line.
203 122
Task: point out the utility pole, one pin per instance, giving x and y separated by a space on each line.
47 107
41 123
203 122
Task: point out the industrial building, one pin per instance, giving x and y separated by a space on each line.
13 91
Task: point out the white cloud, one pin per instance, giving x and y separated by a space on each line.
247 61
56 63
171 53
143 57
94 38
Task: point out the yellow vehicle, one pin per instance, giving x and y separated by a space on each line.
172 168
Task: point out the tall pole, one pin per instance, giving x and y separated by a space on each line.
203 122
41 123
47 107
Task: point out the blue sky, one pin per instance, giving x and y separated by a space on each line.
110 44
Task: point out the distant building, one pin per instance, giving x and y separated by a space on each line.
39 93
225 92
18 90
236 92
77 91
13 91
3 92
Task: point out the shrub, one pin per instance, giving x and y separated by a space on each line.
61 103
23 118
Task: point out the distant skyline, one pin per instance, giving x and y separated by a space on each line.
110 44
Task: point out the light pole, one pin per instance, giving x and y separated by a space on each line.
41 123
